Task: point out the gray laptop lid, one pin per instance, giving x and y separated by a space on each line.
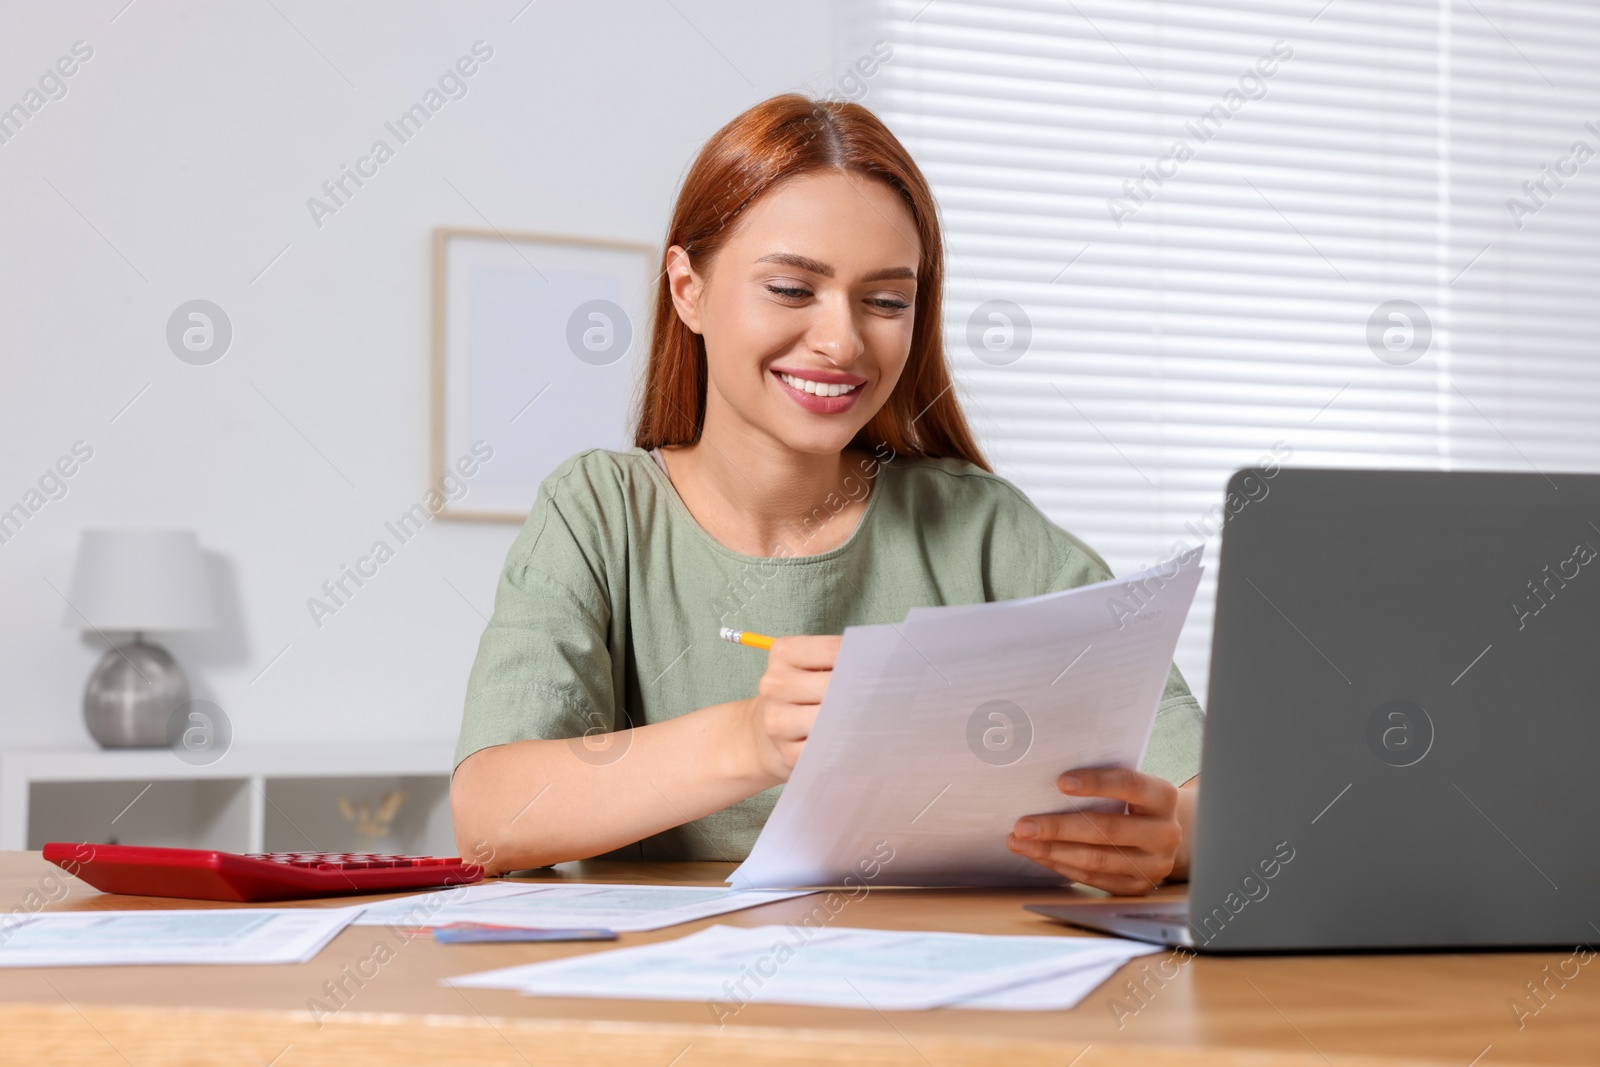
1403 725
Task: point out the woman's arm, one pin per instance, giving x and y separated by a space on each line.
1124 854
534 803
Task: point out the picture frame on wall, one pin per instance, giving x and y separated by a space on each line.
537 344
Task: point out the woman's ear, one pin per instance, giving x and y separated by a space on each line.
686 287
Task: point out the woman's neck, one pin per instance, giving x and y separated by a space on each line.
760 498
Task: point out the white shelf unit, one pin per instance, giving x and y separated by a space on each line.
250 800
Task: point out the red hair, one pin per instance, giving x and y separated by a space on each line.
780 139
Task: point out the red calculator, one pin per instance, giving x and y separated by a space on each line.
203 874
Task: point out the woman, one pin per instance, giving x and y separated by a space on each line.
801 466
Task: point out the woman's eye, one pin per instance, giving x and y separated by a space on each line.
798 292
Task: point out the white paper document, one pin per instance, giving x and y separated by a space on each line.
885 970
623 908
938 733
214 935
422 908
1058 992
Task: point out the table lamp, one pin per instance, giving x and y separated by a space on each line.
135 581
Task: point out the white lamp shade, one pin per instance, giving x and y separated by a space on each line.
139 580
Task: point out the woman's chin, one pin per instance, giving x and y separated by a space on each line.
814 440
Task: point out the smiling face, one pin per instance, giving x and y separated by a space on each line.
806 312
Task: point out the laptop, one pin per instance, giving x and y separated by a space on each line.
1402 742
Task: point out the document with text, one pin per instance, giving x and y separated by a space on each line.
938 733
212 935
883 970
623 908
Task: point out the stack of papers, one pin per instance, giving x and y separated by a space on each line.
560 905
885 970
937 734
128 938
295 935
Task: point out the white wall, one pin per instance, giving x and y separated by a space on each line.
187 146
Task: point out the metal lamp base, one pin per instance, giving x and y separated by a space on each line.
131 695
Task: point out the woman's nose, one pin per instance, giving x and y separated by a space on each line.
835 336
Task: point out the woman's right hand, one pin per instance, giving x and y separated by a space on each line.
787 698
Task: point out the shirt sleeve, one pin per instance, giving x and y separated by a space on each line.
544 669
1174 749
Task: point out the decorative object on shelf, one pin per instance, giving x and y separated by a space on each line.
135 581
371 821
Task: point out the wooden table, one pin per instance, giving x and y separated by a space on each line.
1300 1011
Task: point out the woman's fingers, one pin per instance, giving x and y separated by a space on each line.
1145 794
1118 885
1102 829
807 652
788 695
783 685
1116 870
798 669
1120 852
792 722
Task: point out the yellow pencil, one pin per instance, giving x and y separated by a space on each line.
745 637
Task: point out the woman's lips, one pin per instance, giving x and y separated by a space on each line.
818 405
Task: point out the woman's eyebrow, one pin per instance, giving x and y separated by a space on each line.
806 263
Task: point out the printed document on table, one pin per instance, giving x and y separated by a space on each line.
886 970
938 733
419 908
1059 992
214 935
623 908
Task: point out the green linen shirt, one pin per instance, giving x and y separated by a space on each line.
609 605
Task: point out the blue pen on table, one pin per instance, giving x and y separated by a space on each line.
472 933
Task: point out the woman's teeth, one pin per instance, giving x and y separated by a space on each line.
806 385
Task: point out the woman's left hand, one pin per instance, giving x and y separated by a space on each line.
1124 854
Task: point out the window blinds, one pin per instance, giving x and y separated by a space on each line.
1189 237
